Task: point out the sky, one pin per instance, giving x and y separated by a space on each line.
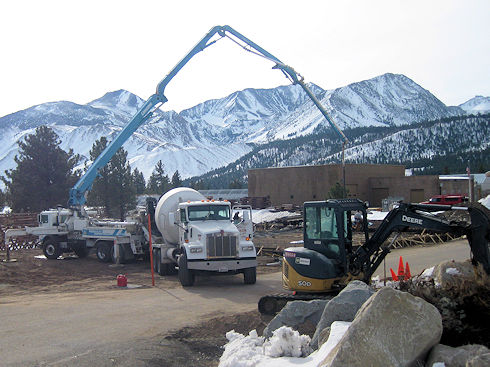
79 50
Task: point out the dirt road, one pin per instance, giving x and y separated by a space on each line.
70 312
419 258
64 328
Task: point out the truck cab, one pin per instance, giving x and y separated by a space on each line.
207 231
52 217
446 200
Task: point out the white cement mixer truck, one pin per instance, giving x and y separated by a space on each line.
200 235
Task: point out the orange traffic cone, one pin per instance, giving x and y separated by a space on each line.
401 271
407 272
393 275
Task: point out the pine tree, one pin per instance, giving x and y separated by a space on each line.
44 172
139 182
236 184
99 194
122 197
337 192
158 182
113 189
176 180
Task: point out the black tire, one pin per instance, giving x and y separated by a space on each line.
167 269
103 252
186 276
268 305
250 275
51 249
155 260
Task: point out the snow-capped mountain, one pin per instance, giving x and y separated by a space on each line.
217 132
478 104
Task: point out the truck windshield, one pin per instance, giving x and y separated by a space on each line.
209 212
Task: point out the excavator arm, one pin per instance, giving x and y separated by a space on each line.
369 256
78 192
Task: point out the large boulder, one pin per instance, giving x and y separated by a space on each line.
342 308
452 274
392 328
299 315
456 357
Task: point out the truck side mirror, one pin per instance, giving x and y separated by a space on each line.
171 218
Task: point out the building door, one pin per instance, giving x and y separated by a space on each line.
417 195
378 195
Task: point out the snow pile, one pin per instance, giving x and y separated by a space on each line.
485 201
266 215
376 215
284 349
287 342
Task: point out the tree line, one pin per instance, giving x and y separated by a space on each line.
45 173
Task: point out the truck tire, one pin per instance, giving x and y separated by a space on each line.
167 269
51 249
186 276
250 275
103 252
155 260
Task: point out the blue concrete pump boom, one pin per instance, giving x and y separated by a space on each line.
77 193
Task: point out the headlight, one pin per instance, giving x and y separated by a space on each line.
248 248
195 250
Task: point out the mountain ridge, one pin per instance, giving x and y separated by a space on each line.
215 133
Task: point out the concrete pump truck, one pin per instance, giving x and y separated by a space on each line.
188 238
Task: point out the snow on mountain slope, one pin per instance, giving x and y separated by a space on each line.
216 132
478 104
284 112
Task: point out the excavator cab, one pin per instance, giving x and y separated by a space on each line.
322 264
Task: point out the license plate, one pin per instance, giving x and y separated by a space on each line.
223 270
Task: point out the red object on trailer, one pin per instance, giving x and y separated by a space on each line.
122 281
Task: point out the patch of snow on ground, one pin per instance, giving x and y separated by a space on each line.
375 215
452 271
255 351
427 273
266 215
377 283
485 201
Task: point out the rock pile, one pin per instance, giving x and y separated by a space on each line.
388 327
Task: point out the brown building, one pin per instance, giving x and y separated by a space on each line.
371 182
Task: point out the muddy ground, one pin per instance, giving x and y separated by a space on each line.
199 345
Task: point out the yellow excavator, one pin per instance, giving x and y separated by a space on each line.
329 260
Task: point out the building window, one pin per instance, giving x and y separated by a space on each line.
292 196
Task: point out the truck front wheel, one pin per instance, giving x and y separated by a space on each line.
250 275
51 249
186 276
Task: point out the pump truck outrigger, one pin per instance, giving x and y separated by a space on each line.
66 230
328 260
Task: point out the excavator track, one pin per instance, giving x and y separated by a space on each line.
271 304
